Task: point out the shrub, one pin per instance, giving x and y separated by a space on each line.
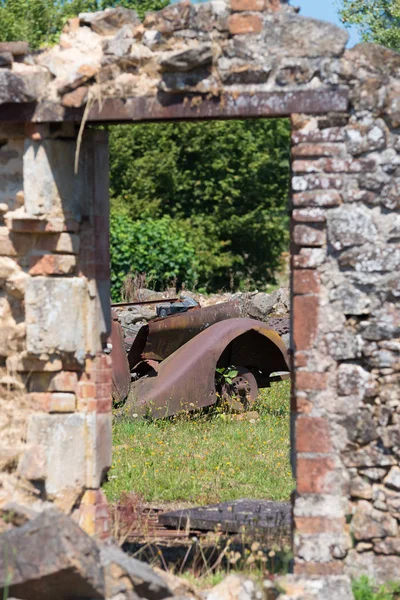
158 247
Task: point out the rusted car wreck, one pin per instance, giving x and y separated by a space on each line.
177 362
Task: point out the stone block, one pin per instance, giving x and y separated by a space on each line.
56 313
64 438
99 445
51 187
350 226
50 558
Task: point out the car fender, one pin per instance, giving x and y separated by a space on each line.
186 379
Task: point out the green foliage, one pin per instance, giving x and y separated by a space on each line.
158 247
364 589
40 21
377 20
229 178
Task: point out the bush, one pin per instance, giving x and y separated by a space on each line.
158 247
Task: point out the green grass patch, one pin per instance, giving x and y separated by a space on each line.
204 458
365 589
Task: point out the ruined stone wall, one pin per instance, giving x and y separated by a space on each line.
55 440
249 58
346 325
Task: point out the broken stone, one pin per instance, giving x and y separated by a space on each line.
6 59
17 514
392 480
151 38
12 88
171 18
374 474
124 574
379 568
350 226
369 523
369 456
187 60
388 546
198 81
371 258
234 587
50 558
360 488
110 20
75 99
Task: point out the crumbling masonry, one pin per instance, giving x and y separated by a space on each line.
254 58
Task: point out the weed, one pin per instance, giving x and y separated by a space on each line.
365 589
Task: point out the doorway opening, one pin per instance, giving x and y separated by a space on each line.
199 213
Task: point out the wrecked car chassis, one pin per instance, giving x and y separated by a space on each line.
172 363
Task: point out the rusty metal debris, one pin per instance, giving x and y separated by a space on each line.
172 363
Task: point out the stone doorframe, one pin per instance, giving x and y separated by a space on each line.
254 58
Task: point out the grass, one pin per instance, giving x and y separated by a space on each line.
209 458
364 589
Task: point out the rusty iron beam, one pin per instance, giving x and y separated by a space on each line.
118 304
171 107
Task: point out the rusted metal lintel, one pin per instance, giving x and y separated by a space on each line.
159 301
170 107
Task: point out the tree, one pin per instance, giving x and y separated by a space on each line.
230 179
377 20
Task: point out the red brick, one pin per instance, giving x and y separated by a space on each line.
306 381
305 321
308 166
332 568
86 390
313 475
65 381
332 134
310 150
52 402
312 435
240 5
321 198
52 264
305 281
245 23
309 215
315 525
308 236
